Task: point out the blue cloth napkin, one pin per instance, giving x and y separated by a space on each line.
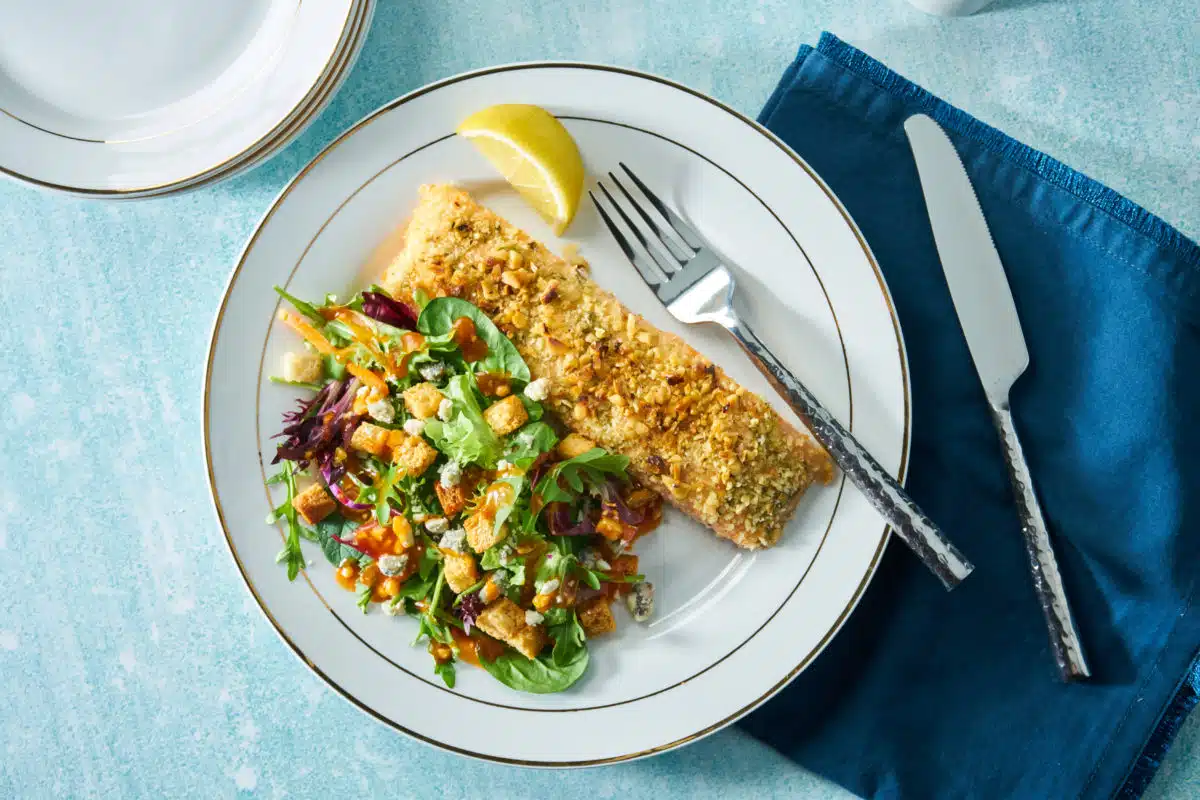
929 694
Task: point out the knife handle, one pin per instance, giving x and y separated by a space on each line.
884 493
1047 580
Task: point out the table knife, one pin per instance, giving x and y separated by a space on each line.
988 316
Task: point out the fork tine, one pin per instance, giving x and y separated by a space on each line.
667 265
646 266
668 243
686 233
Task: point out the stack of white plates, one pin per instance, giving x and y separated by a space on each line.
139 98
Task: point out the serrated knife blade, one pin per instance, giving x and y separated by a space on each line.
988 316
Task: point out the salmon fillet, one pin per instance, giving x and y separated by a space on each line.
713 449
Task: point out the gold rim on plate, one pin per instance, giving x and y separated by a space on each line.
229 163
903 359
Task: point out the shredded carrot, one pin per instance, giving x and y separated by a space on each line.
377 385
367 338
307 331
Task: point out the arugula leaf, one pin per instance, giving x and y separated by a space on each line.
591 579
419 494
307 309
291 554
315 387
364 596
430 558
541 675
385 493
587 468
532 407
474 587
529 443
568 640
557 615
466 437
334 368
446 672
438 316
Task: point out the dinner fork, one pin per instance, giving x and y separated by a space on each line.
695 286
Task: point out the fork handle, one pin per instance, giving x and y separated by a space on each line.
1047 581
882 490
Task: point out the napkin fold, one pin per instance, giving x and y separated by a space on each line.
929 694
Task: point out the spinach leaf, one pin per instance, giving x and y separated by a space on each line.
416 588
465 437
438 317
541 675
336 552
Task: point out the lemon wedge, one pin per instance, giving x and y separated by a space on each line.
535 153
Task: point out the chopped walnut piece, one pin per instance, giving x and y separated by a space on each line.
692 434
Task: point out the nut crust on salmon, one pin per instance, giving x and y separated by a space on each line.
718 452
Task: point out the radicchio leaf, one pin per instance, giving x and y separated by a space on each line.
611 494
379 306
469 609
559 520
316 428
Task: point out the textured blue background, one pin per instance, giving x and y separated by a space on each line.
132 661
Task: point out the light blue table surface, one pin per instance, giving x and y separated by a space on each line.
133 663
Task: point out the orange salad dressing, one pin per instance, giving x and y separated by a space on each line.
467 338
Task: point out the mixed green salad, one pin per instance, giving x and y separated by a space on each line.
422 464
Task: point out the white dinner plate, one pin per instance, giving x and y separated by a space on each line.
132 96
731 627
304 115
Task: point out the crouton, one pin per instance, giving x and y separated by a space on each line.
303 367
507 415
596 618
370 439
505 620
413 454
481 533
574 445
422 400
453 498
461 571
624 565
314 504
